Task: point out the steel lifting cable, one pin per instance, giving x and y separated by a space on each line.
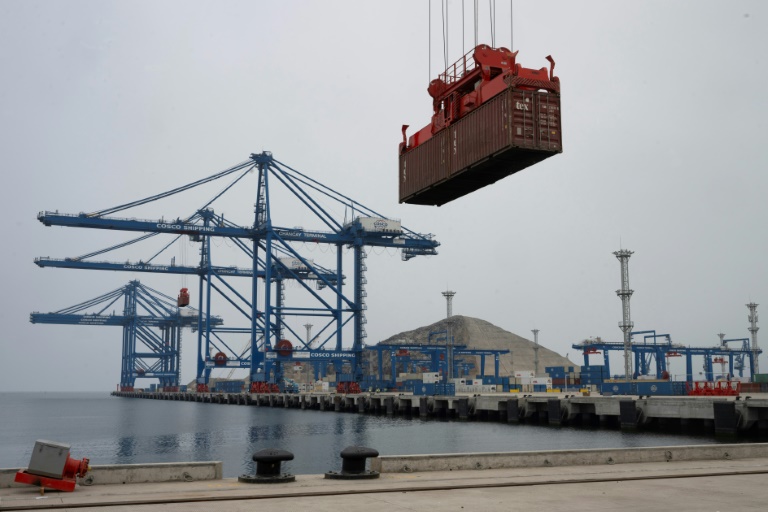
445 32
118 246
171 192
511 26
492 14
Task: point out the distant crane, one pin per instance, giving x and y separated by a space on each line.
146 353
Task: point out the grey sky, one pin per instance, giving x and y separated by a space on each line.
664 153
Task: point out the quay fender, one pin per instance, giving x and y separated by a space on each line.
749 415
726 417
555 412
628 414
513 410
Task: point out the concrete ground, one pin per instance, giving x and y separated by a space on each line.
722 485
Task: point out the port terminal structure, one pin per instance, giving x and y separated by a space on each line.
151 324
443 359
655 349
272 251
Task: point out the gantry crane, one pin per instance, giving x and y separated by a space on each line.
646 351
146 352
273 250
441 358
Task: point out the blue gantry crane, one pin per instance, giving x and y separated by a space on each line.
657 347
273 250
441 358
151 324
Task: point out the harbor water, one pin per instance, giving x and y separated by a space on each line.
112 430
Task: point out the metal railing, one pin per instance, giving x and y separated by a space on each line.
458 69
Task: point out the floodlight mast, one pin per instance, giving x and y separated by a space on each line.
626 322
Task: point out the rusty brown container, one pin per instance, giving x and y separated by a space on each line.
509 132
420 170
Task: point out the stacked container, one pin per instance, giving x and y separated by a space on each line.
593 375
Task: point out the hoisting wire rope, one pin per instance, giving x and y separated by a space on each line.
476 9
511 26
171 192
492 13
463 52
445 32
429 41
118 246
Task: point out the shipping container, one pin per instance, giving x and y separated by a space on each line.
445 389
424 389
504 135
295 263
380 225
664 388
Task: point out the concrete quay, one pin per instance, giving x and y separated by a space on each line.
722 483
719 415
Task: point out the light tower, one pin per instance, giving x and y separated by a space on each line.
308 327
535 352
449 302
626 321
753 328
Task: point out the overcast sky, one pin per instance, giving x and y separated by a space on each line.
664 131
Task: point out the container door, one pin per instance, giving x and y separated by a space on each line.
524 125
548 115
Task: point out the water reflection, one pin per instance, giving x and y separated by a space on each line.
167 443
126 449
202 443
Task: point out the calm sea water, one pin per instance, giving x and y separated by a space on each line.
111 430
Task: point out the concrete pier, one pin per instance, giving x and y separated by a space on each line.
722 477
720 415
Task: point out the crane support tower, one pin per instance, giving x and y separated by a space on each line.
492 118
266 317
146 353
753 328
626 320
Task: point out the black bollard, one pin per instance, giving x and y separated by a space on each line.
353 464
268 468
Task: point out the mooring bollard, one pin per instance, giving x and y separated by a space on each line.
353 464
268 468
